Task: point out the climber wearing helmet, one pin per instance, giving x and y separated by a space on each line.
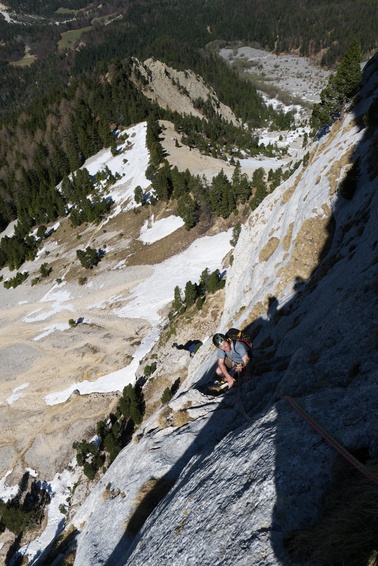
232 357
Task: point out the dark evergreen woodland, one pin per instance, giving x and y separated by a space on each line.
342 87
63 108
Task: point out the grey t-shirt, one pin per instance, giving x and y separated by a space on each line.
238 350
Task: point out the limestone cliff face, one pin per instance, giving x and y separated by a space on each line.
232 478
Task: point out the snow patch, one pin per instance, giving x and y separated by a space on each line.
159 229
17 393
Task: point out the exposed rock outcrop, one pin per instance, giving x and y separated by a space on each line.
235 481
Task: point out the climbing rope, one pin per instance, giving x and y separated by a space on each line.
336 445
331 441
239 382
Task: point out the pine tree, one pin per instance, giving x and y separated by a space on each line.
341 88
235 234
240 185
187 208
180 182
259 187
221 196
163 183
139 195
190 294
88 257
215 282
349 74
177 298
132 404
204 280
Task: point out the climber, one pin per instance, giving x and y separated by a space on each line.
233 357
191 346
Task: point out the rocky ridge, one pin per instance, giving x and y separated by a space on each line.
241 474
179 90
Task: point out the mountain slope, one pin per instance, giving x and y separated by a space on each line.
242 473
179 90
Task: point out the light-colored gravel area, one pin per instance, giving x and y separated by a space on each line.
297 76
36 362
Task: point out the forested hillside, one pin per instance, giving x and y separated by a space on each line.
66 106
172 31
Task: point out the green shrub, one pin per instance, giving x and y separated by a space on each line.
45 270
190 293
177 298
14 518
166 396
113 433
150 369
112 445
17 515
41 232
132 403
16 280
89 470
235 234
215 282
88 257
169 392
139 196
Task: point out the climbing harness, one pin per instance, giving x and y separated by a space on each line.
336 445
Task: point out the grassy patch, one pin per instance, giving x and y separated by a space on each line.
69 39
149 496
181 418
66 11
26 61
269 249
335 170
161 250
258 310
108 18
287 238
165 417
291 190
309 248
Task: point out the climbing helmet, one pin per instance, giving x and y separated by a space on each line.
218 340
